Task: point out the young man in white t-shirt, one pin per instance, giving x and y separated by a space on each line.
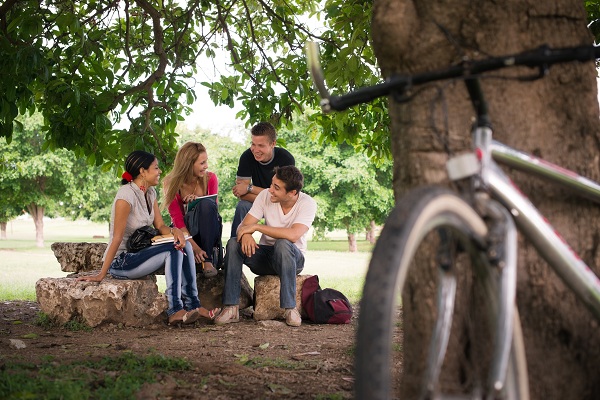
288 214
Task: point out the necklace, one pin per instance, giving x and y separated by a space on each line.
144 194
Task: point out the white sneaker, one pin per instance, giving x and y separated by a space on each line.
292 317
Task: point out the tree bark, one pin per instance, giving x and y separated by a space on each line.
370 237
555 118
352 247
3 235
37 213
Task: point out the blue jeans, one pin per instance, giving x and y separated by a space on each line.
283 259
206 227
241 209
180 272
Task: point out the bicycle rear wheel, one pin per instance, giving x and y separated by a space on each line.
431 245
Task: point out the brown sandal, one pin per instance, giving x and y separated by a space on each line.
202 312
177 318
191 316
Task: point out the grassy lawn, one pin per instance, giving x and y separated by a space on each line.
22 263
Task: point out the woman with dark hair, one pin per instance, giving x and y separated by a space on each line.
189 180
135 206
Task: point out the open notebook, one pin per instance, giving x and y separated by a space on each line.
193 203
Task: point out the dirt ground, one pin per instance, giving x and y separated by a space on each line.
246 360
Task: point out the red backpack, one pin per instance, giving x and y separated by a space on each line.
325 306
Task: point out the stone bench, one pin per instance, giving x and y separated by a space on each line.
78 257
128 302
266 297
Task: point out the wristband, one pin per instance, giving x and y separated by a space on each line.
250 186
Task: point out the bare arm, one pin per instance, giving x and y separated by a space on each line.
292 234
122 209
247 242
163 229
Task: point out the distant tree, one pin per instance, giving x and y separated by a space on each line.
8 211
50 183
37 179
351 191
93 192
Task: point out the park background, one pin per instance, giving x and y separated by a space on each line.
57 197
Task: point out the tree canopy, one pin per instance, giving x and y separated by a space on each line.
93 66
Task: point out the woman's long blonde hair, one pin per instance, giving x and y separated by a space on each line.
183 171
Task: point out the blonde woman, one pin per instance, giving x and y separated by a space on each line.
189 180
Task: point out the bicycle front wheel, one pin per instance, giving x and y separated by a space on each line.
432 246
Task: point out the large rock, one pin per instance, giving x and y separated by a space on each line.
127 302
78 257
266 297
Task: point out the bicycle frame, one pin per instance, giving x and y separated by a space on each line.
534 226
506 204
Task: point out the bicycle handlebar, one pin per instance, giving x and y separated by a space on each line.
543 56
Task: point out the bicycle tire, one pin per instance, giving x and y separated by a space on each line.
421 212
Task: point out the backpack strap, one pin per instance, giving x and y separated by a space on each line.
309 287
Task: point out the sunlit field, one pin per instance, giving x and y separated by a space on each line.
22 263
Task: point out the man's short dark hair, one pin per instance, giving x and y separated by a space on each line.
291 177
265 129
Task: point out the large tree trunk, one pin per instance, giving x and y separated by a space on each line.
555 118
37 213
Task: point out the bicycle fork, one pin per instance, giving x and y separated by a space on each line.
497 267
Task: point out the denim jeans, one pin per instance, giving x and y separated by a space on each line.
241 209
207 227
283 259
180 272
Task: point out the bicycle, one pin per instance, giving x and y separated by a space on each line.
475 224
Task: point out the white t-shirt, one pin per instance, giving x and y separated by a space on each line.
138 216
303 212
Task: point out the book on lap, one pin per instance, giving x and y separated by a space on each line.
161 239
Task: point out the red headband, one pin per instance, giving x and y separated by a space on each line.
127 176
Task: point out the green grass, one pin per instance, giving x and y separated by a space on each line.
339 245
23 263
109 378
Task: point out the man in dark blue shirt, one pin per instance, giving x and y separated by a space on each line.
255 169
